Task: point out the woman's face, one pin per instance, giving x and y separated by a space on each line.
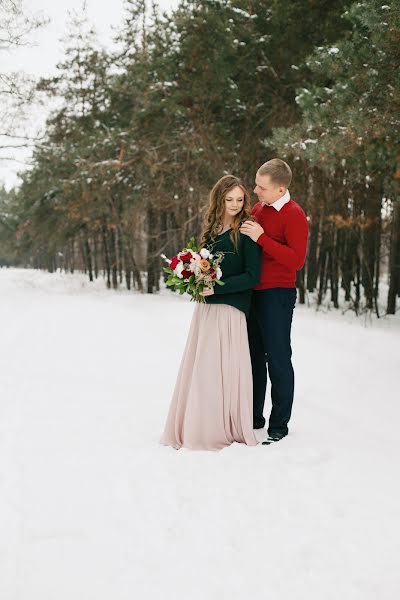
234 200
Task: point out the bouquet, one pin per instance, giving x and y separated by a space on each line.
193 270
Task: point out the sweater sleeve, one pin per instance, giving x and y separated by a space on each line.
252 270
293 253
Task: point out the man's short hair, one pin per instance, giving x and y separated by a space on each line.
278 170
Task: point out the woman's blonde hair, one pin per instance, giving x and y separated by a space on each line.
213 223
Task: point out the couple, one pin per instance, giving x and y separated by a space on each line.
243 328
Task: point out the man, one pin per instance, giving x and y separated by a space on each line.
281 229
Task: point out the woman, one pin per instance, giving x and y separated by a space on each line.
212 404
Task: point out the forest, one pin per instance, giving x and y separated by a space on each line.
138 134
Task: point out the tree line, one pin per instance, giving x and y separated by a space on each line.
141 132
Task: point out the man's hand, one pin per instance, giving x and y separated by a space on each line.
252 229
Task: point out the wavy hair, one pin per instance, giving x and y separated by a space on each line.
213 219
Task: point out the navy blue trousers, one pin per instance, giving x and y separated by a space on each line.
269 325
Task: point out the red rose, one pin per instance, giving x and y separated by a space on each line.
214 276
174 262
186 257
186 274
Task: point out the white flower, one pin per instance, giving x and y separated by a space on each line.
178 269
195 267
204 253
219 273
211 256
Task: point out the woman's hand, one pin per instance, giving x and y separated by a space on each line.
207 291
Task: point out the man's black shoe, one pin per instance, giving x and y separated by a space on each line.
259 424
274 437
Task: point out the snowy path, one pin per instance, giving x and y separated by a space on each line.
92 508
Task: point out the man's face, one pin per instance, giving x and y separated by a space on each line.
266 190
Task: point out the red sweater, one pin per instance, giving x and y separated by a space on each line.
284 244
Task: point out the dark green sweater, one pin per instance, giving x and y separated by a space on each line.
241 271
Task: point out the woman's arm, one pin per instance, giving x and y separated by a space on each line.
252 270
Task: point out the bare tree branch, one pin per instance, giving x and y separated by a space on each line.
15 26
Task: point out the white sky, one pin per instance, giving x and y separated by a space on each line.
41 58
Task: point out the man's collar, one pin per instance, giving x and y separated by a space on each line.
280 202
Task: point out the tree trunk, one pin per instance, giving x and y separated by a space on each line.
152 259
394 260
113 258
300 286
348 250
121 256
357 284
323 262
96 255
87 253
312 262
106 256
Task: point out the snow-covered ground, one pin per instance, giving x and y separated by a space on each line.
92 508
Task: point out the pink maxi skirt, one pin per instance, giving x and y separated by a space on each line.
212 403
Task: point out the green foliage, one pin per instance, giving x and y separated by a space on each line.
140 134
351 110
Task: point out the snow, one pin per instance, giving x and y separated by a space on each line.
243 13
91 507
